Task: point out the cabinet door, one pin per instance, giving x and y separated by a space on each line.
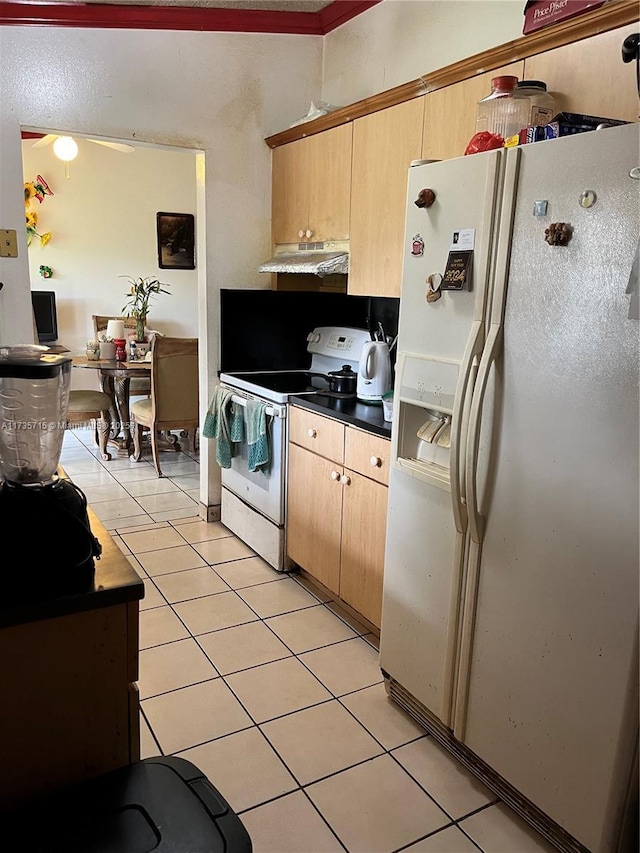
384 144
314 510
311 187
329 181
589 76
364 519
67 709
450 113
289 192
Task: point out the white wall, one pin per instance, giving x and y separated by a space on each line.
103 220
218 92
400 40
16 322
223 93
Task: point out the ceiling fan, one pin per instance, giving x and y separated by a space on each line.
122 147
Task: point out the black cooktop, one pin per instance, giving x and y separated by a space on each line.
285 381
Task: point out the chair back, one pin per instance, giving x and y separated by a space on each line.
100 323
174 381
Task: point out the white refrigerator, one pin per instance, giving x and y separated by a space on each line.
510 610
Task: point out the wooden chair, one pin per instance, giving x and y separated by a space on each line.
92 405
174 394
140 386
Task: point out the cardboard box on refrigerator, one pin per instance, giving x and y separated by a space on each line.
543 13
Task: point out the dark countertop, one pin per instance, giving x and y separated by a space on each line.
349 411
114 582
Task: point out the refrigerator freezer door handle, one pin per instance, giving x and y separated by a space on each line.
459 424
494 339
491 353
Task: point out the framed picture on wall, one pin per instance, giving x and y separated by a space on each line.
176 241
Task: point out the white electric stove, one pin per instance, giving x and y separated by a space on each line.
254 502
330 348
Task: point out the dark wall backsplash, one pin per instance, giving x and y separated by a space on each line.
267 329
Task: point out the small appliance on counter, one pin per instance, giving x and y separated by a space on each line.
374 372
55 557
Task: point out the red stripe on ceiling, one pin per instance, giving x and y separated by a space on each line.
182 18
338 13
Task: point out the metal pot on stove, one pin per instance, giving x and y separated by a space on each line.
343 382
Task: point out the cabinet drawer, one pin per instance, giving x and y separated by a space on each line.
317 433
367 454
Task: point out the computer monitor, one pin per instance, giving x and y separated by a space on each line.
44 314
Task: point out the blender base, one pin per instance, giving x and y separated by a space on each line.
55 556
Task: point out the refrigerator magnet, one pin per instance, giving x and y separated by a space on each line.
463 240
457 275
417 246
434 283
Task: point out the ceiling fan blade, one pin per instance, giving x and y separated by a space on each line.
117 146
46 140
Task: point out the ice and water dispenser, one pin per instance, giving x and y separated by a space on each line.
425 393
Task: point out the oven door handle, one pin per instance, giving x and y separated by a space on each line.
270 411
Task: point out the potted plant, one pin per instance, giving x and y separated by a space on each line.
137 305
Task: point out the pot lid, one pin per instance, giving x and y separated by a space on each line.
345 370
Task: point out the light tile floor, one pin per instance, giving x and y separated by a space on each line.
274 692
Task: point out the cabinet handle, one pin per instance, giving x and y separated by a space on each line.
335 475
376 461
308 233
301 233
311 433
345 480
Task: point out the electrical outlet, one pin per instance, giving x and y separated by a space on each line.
8 243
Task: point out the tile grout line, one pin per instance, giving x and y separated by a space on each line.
263 620
257 725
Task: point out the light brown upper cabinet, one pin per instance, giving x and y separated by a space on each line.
589 76
384 144
311 188
450 113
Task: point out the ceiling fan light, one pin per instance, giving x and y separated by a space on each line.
65 148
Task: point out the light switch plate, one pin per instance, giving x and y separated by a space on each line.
8 243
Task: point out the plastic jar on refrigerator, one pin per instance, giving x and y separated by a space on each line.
537 106
500 111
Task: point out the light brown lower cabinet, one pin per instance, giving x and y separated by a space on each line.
337 508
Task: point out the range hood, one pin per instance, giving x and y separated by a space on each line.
321 259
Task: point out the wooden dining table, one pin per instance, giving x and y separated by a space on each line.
115 380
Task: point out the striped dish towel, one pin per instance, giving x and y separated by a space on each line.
224 423
259 451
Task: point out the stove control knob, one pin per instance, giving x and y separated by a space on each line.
376 462
335 475
308 233
301 233
311 433
346 481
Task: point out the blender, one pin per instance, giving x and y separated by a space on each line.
44 515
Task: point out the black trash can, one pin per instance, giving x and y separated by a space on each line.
158 804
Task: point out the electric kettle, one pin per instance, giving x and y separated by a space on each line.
374 372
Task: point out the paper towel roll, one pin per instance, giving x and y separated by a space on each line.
115 330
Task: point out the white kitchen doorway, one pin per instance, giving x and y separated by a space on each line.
102 222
